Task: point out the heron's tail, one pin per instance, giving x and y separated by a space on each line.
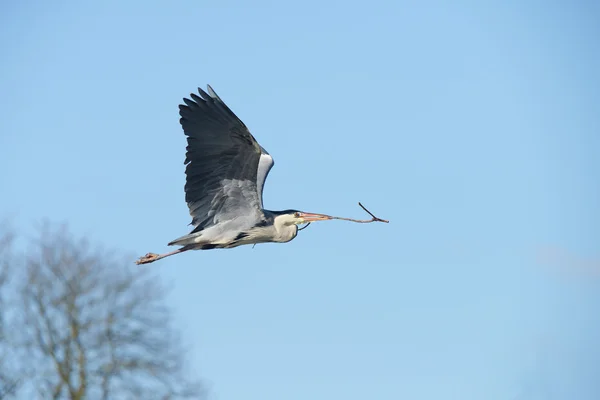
190 238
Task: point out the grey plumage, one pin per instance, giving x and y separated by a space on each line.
226 167
222 160
226 170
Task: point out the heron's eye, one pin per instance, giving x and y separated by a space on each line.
297 215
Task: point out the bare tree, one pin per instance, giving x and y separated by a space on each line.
9 374
96 328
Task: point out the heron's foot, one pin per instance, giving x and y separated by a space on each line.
148 258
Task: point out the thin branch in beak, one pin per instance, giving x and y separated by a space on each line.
364 221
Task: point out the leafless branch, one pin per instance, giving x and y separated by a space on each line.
10 376
363 221
96 328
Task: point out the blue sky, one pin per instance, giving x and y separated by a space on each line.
473 127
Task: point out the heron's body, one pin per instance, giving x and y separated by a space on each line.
235 233
225 175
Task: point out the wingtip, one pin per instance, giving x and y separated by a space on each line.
204 95
212 92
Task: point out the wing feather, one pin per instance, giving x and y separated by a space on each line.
225 166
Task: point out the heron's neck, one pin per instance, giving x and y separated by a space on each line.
284 231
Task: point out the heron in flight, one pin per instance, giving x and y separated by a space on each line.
225 176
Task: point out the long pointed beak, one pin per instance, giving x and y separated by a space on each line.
309 217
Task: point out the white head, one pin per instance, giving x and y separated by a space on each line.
295 217
285 223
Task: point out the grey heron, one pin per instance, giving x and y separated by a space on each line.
226 169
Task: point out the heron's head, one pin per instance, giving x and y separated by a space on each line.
295 217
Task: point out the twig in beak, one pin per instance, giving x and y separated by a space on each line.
364 221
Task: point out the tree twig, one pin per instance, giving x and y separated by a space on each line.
364 221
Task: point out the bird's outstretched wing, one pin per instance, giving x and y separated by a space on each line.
226 167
